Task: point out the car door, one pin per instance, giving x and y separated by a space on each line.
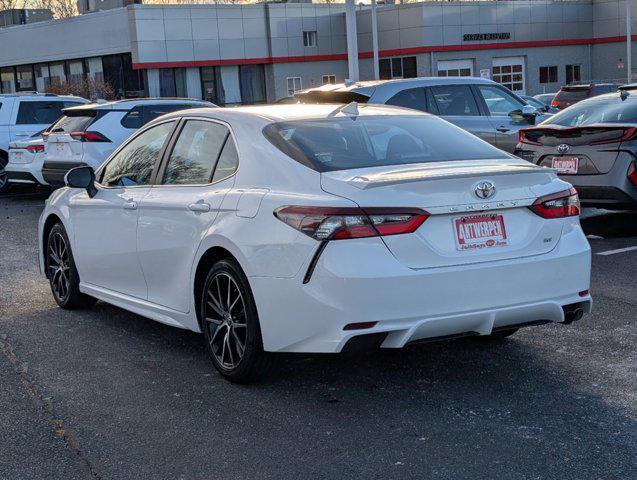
499 103
192 183
105 226
31 116
457 104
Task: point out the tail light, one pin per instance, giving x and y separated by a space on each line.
35 148
629 133
89 137
632 172
557 205
329 223
522 138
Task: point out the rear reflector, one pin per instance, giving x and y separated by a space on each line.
336 223
89 137
359 325
35 148
583 293
557 205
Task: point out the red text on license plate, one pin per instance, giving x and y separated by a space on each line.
480 231
565 164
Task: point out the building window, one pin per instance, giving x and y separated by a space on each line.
233 84
329 79
294 85
509 71
573 73
401 67
309 38
455 68
548 74
172 82
75 70
24 75
7 80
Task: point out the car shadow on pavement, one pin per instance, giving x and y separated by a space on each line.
611 224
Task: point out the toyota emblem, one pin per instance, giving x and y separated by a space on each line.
485 190
563 148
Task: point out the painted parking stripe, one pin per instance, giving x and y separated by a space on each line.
619 250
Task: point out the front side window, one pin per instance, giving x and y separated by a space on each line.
498 101
41 112
455 100
196 153
133 165
596 111
344 143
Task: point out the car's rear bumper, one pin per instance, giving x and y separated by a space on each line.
54 172
24 173
360 281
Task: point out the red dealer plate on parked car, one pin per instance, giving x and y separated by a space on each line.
565 164
480 231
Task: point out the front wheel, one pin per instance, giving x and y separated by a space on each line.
62 273
231 324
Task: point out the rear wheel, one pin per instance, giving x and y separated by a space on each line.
231 324
63 276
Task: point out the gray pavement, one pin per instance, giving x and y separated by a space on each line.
107 394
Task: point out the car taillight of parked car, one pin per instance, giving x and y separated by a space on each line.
335 223
557 205
89 137
632 172
523 138
35 148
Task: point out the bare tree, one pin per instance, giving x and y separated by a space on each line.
60 8
11 4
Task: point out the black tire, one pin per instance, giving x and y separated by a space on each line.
499 335
62 273
231 324
3 180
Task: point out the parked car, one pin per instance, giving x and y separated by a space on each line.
88 134
24 114
592 145
480 106
545 98
298 228
542 107
26 158
571 94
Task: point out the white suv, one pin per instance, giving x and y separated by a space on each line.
24 114
88 134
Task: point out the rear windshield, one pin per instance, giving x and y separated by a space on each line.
346 143
572 95
68 124
586 113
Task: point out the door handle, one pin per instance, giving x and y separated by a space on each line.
503 129
130 206
199 207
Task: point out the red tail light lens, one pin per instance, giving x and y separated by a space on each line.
35 148
89 137
557 205
627 134
632 173
522 138
329 223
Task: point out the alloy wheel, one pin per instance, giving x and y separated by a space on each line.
226 321
59 265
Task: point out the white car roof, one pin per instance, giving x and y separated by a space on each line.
129 104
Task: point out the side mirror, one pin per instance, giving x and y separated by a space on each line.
81 177
527 112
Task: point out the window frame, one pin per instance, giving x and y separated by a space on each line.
572 67
170 145
153 176
294 90
549 69
328 76
310 38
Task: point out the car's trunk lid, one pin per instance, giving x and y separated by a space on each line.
463 228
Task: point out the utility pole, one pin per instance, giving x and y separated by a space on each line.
352 40
375 40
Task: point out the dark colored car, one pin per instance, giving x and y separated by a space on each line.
592 145
571 94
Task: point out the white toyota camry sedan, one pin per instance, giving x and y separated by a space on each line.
317 228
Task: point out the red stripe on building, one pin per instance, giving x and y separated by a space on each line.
385 53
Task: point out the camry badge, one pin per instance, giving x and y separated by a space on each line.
563 148
484 189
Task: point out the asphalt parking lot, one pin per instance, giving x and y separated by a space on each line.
106 394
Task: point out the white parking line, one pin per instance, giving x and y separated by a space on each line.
619 250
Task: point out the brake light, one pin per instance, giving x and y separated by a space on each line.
554 103
35 148
557 205
522 138
627 134
330 223
632 173
89 137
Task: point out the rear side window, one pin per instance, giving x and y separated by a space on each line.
572 95
133 164
140 115
455 100
133 119
41 112
68 124
374 141
195 154
412 98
